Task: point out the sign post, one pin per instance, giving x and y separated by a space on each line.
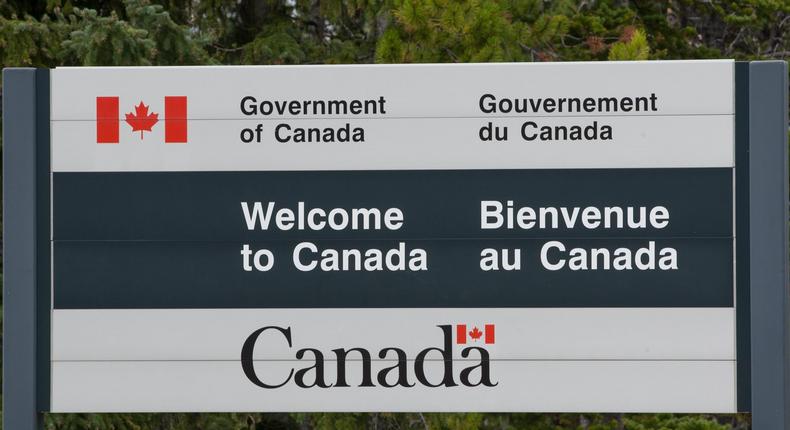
25 139
569 237
768 218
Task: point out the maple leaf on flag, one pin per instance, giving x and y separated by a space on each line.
475 333
141 120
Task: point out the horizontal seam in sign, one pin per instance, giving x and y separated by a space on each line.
389 239
668 360
559 308
177 169
387 307
348 118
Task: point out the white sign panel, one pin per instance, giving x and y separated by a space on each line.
498 237
567 115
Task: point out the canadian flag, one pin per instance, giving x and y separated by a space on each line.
462 332
108 119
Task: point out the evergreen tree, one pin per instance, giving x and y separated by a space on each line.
50 33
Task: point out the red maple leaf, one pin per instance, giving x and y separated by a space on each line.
475 333
141 120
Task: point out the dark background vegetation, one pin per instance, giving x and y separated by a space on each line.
50 33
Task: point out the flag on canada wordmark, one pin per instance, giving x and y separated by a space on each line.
140 118
465 334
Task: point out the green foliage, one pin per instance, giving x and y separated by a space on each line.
670 422
107 40
476 30
385 421
31 43
159 32
145 35
633 47
50 33
449 31
173 43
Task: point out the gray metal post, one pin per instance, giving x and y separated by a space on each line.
20 410
768 212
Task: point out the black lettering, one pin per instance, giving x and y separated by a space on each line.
401 367
247 353
318 358
484 366
529 137
491 106
341 354
248 105
447 361
279 138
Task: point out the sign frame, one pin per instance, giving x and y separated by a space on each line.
761 189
